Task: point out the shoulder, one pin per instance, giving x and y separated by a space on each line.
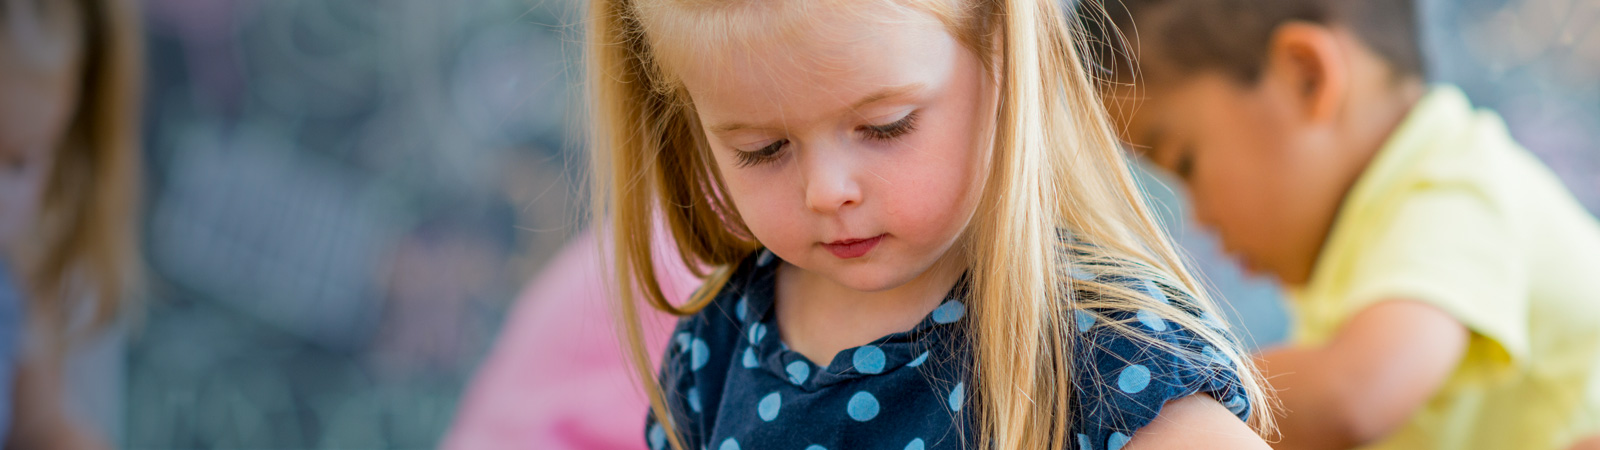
705 346
732 296
1130 360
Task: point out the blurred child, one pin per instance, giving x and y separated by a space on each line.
68 100
1444 281
917 228
558 376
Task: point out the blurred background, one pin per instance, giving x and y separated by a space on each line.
345 196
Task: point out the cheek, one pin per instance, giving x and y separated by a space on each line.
771 201
1230 179
1241 187
20 192
930 188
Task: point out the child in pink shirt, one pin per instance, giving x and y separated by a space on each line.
557 378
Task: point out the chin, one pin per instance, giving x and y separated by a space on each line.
1255 268
869 277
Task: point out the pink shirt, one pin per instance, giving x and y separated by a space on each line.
557 377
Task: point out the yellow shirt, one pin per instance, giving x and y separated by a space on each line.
1453 213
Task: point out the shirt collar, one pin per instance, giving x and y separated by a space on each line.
763 348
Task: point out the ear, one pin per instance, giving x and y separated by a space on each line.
1305 61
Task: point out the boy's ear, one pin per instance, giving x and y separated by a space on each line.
1305 61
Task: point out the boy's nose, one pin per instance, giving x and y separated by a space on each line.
830 180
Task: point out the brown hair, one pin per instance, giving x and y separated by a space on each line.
1231 36
84 260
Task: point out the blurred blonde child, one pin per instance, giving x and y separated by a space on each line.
69 83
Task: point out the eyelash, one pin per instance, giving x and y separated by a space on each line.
888 132
764 155
880 133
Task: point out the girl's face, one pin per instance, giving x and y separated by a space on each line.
854 144
40 49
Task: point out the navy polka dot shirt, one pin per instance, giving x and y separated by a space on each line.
732 384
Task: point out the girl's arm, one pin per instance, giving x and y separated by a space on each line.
1196 422
39 417
1369 380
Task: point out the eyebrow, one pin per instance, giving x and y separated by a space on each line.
880 95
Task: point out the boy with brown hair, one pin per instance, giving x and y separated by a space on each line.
1443 281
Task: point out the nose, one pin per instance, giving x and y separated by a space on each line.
830 177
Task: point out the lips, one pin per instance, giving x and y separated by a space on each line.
852 248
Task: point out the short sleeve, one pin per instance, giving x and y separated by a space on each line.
1125 374
686 354
1453 250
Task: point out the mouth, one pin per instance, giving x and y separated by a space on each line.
852 248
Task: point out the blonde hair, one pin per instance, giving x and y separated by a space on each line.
85 259
1059 186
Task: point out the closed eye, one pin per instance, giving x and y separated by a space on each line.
889 131
761 156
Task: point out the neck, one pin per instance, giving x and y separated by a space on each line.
1378 103
1386 105
819 318
1378 100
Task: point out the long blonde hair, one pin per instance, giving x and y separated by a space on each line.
1058 185
85 260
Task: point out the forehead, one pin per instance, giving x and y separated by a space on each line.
39 35
1163 105
788 64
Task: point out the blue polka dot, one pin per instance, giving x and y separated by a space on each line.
768 408
749 358
658 437
920 359
1117 440
799 372
699 354
1237 405
766 258
757 331
916 444
694 398
816 447
957 396
1083 442
862 407
729 444
950 311
1133 379
742 308
1155 292
1084 318
1151 320
683 341
1215 356
868 359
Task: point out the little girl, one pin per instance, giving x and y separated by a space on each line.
916 227
68 161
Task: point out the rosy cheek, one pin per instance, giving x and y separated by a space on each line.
928 188
765 205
